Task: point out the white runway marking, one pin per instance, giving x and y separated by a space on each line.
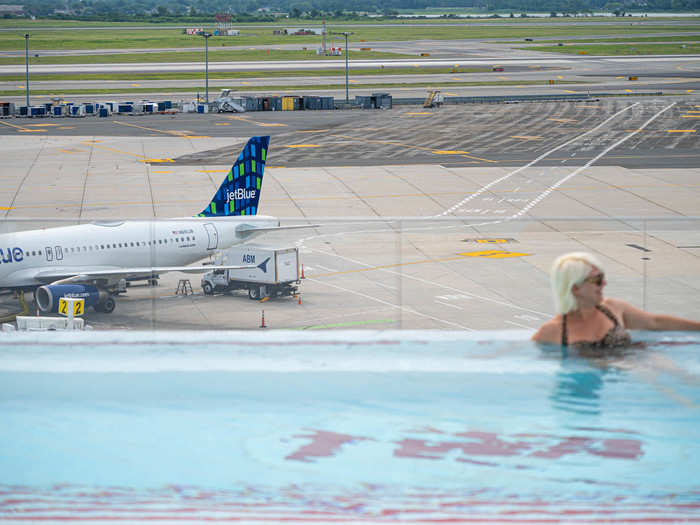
535 161
554 186
433 283
530 204
450 305
392 305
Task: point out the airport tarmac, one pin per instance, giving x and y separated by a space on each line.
427 219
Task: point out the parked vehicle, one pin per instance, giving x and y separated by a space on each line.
274 272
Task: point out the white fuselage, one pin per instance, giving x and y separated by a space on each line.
117 245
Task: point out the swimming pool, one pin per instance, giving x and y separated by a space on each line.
368 427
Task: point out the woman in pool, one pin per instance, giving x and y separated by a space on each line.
586 320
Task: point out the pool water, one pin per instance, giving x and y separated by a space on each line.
346 426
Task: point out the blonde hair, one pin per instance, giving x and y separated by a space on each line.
568 270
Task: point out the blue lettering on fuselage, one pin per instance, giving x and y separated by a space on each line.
238 194
11 255
248 259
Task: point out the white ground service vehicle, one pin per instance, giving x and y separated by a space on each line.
276 272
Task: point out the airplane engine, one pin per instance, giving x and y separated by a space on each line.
48 297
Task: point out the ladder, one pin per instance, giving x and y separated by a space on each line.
184 287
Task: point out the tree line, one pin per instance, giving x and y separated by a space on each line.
250 10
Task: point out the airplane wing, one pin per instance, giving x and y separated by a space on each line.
71 275
247 228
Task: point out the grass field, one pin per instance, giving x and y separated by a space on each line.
275 89
186 75
198 56
25 24
173 38
622 49
660 39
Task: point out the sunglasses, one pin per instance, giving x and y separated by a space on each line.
596 279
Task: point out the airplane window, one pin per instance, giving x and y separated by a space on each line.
114 245
120 245
102 246
132 243
39 252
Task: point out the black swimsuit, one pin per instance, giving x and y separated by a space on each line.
616 337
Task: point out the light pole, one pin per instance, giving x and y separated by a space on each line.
347 54
26 61
206 66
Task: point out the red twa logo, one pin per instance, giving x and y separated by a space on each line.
474 443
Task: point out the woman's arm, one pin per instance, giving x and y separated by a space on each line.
549 332
636 319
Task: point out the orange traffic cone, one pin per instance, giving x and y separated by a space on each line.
262 321
299 298
302 272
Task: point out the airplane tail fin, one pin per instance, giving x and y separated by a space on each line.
239 193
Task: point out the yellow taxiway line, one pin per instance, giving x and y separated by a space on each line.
21 128
165 131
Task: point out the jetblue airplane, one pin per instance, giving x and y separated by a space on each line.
94 261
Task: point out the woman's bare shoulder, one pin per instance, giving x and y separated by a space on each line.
549 332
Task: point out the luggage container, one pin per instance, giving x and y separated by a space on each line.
104 112
89 109
363 101
287 103
249 103
58 111
125 108
271 104
23 111
7 109
327 103
274 272
381 100
312 102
